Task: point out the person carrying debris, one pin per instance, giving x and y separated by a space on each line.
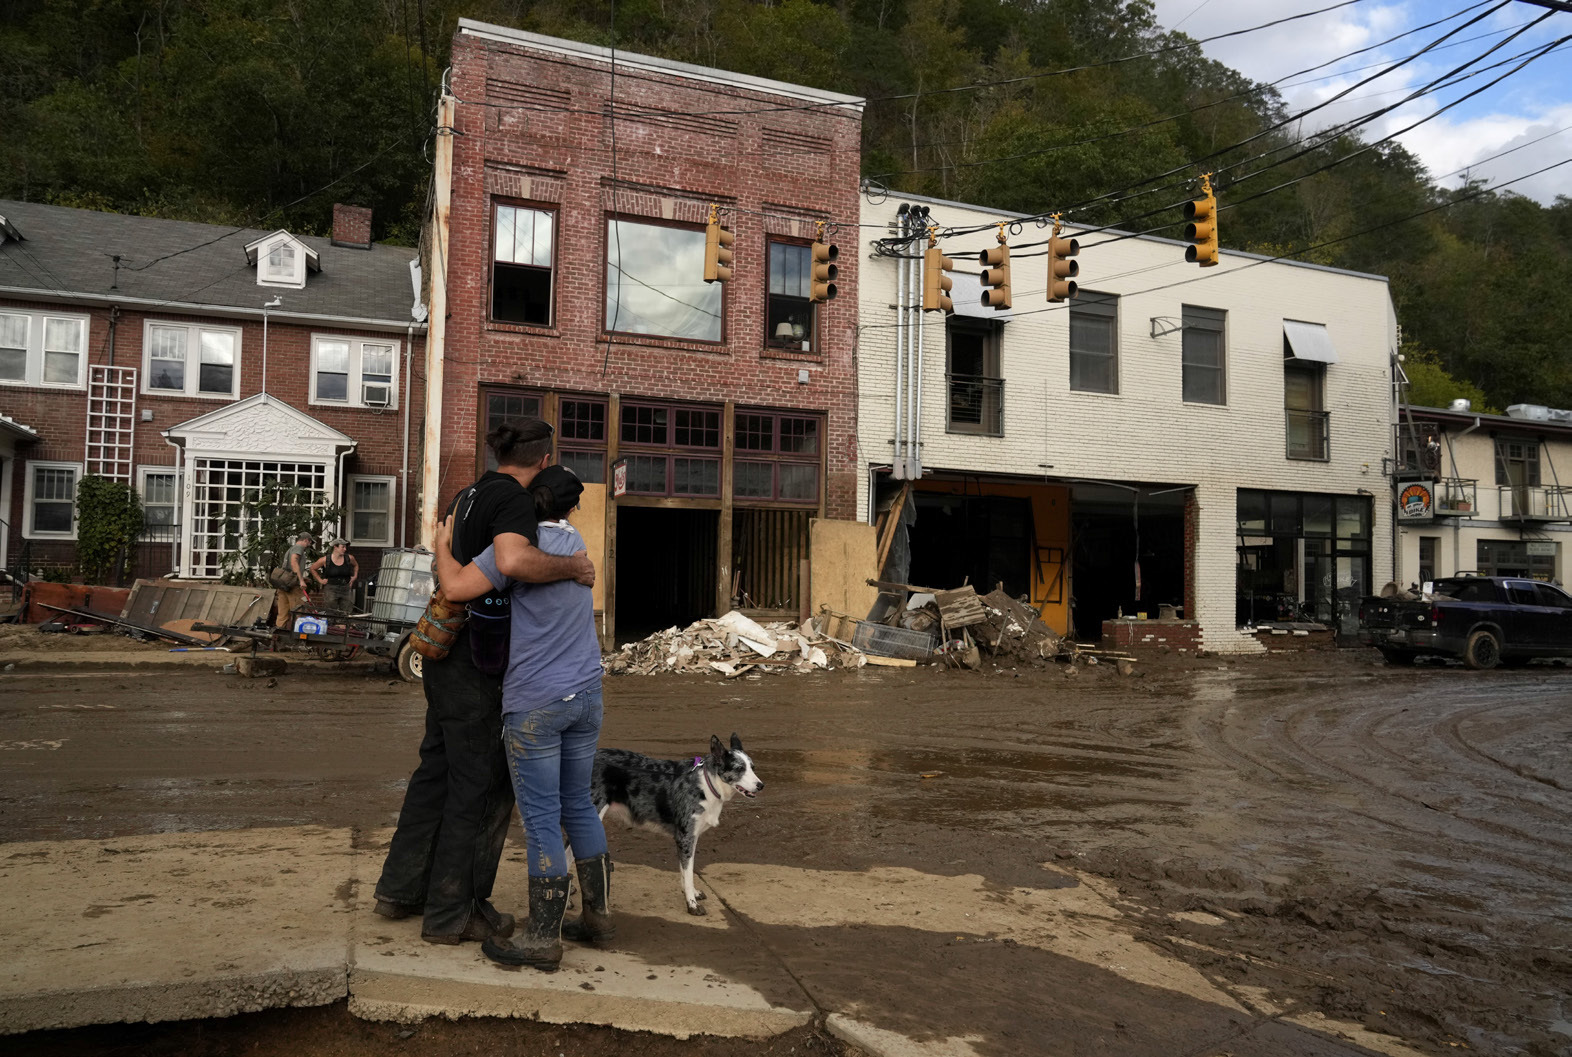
289 580
551 717
337 571
443 860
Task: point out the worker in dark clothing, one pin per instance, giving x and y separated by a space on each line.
444 856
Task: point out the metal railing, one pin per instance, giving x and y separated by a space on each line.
1309 434
976 405
1532 502
1456 497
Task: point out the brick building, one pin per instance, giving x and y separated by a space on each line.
571 228
1206 439
195 361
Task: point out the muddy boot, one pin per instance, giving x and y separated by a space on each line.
538 942
595 924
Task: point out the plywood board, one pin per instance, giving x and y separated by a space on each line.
590 520
844 556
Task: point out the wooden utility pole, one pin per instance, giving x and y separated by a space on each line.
437 323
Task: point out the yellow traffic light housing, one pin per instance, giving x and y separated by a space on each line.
936 285
996 274
1201 226
1061 270
717 250
822 285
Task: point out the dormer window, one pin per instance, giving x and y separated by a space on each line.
281 263
282 260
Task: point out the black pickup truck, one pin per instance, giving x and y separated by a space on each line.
1483 620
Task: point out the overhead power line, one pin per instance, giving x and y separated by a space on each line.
973 87
1119 195
1213 274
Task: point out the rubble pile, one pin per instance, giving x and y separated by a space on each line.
733 645
1011 631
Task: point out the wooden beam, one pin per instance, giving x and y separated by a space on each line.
609 572
723 541
890 522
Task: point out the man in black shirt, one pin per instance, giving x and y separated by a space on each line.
444 856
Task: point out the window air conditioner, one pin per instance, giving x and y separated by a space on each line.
377 395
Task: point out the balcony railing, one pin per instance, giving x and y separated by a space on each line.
1535 502
976 405
1455 497
1309 434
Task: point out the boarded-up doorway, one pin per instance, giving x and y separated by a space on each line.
666 569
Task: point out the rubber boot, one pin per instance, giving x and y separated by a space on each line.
538 943
595 924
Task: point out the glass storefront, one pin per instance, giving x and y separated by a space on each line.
1303 557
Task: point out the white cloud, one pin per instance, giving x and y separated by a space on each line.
1530 103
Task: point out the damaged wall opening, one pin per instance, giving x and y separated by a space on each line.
666 567
1104 564
976 539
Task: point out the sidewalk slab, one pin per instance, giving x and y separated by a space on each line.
172 926
671 986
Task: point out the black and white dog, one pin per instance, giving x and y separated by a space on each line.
680 797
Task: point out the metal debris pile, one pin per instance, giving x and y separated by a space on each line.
734 645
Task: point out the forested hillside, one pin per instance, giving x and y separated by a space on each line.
250 110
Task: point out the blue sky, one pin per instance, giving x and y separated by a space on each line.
1528 105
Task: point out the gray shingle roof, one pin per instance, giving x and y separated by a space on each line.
68 251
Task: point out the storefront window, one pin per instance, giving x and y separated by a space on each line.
1302 557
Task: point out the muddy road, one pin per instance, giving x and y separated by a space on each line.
1319 833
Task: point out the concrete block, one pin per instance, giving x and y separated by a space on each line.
172 926
673 985
263 664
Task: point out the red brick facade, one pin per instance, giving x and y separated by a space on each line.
533 132
59 415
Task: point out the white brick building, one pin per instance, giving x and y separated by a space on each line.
1501 489
1238 491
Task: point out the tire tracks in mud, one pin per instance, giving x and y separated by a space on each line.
1321 743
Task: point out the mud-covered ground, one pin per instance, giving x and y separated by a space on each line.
1385 846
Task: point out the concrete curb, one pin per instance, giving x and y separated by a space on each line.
539 996
191 925
154 1002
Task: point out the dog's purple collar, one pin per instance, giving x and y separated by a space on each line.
698 765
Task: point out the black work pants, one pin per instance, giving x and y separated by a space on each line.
459 801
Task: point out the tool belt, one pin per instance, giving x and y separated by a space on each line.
439 626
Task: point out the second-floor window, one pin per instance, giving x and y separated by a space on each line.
1517 463
1204 356
1304 410
976 390
187 359
523 248
353 372
655 282
789 321
42 349
1094 343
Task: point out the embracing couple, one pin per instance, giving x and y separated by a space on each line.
514 710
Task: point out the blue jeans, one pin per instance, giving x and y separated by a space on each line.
551 752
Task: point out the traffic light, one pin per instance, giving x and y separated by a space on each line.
935 284
717 250
996 274
1201 226
1061 270
822 286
